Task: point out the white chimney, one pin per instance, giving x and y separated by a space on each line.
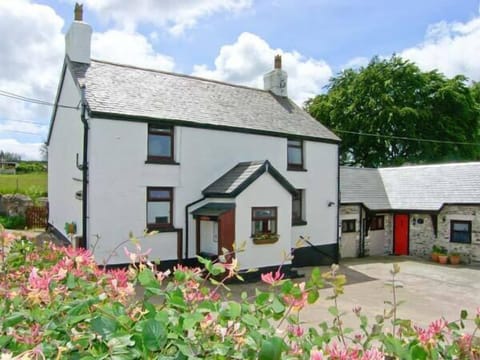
78 38
276 80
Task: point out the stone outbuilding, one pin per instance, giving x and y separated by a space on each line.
406 210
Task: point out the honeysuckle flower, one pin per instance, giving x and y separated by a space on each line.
297 303
373 354
357 309
316 355
295 330
271 278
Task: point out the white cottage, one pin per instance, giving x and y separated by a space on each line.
205 163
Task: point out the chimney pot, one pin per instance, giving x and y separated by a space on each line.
278 62
78 12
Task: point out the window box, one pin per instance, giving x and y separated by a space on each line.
260 239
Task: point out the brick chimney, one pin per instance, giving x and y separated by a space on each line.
78 38
276 80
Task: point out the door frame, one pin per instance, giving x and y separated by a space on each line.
395 228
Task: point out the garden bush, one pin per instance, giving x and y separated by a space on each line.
58 304
16 222
31 167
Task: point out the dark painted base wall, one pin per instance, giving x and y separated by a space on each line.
315 255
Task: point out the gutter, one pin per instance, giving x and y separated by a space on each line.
186 224
84 167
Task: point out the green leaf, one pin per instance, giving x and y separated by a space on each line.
277 306
13 320
154 335
313 296
271 349
147 279
104 326
418 353
333 311
71 281
463 314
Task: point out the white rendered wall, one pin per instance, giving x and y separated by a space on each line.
264 192
64 178
119 177
209 237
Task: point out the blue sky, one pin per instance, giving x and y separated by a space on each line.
229 40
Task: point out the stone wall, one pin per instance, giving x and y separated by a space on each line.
14 204
422 237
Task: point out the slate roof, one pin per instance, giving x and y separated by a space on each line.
213 209
237 179
129 91
424 187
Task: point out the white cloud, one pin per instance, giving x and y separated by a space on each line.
356 63
452 48
28 151
129 48
250 57
175 15
31 53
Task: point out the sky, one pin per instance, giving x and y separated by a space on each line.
229 40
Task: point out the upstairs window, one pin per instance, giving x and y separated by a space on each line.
160 143
264 220
294 154
461 231
159 207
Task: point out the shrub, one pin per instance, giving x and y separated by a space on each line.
16 222
59 304
31 167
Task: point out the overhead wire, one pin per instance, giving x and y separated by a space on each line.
34 101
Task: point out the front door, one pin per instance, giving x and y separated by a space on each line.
226 231
400 238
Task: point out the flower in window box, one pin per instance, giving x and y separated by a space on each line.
265 238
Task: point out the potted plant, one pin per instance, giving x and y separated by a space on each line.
443 255
435 252
454 257
265 238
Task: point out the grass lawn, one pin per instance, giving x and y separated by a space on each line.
23 183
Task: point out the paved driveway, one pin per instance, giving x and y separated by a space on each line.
429 290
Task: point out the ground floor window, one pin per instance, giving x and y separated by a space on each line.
461 231
264 220
377 223
348 225
159 207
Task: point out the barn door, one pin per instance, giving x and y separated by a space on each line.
400 242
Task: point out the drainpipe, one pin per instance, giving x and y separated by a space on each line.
84 117
186 223
337 254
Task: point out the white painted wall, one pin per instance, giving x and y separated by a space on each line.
64 178
119 177
264 192
209 237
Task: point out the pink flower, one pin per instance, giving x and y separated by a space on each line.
373 354
271 279
297 303
316 355
437 326
295 330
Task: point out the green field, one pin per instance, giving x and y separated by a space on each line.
24 183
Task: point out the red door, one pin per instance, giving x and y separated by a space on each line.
400 246
226 231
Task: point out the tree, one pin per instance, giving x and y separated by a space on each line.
44 151
379 109
9 156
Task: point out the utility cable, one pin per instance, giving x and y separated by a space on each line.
34 101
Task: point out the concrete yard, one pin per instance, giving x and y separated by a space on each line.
429 290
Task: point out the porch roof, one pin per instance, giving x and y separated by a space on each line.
213 209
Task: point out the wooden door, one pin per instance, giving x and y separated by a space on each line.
400 238
226 231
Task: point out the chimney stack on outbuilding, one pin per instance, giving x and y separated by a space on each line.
276 80
78 38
